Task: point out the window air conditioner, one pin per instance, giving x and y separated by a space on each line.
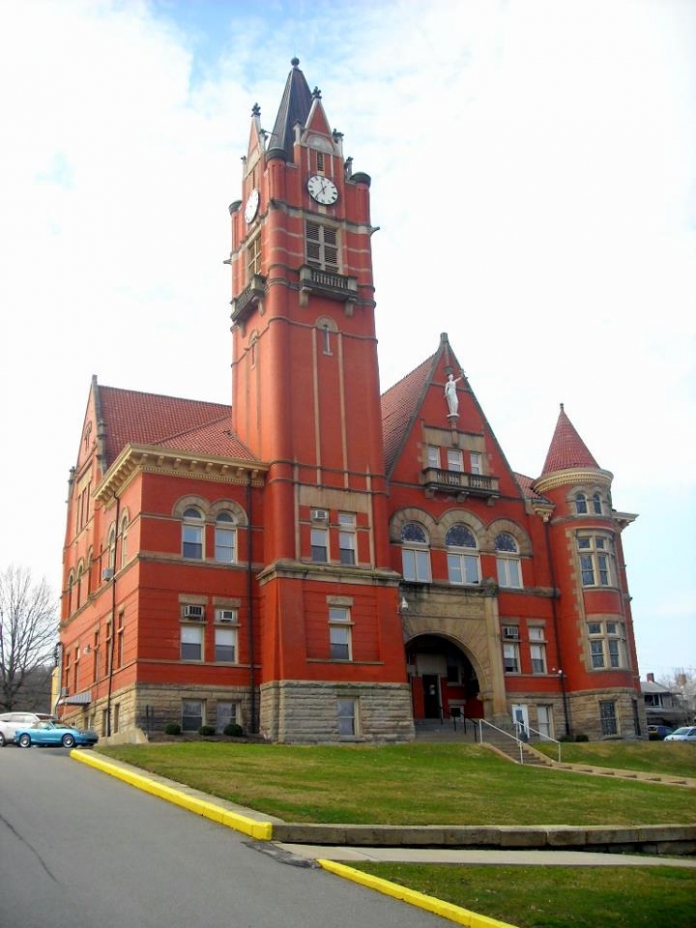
194 612
320 515
108 573
226 615
511 631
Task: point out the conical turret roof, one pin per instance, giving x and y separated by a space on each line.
567 449
294 107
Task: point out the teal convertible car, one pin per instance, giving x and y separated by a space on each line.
54 734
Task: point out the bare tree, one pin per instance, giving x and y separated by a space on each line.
28 631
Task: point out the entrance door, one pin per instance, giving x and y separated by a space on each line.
520 719
431 696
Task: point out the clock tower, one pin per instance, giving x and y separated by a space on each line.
306 401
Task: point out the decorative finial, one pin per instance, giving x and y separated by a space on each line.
561 407
294 62
256 110
316 94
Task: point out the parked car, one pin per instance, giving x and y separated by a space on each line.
658 732
54 733
11 721
688 733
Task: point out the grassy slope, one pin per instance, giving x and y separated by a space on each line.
407 784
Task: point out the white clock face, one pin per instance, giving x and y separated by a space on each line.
322 189
252 206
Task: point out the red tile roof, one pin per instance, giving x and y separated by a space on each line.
399 404
131 417
526 484
567 449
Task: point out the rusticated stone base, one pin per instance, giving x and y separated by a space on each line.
306 712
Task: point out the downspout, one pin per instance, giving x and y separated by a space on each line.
554 610
113 621
250 610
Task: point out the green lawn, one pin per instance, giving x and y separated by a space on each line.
557 897
669 757
417 784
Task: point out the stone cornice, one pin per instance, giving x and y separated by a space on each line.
332 573
138 459
572 476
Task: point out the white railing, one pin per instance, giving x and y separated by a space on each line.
520 737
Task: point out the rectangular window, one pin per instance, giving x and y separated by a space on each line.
192 714
538 655
347 717
607 717
415 565
227 713
226 645
346 537
225 539
454 459
191 643
119 641
253 258
475 463
322 247
339 633
463 568
508 572
192 538
511 658
597 653
545 720
320 545
597 560
433 456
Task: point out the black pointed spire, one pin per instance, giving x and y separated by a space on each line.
294 108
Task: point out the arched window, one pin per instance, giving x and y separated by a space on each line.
415 553
71 584
597 504
508 561
111 545
192 534
462 565
225 538
580 504
78 585
124 540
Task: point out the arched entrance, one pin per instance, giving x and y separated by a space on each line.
443 680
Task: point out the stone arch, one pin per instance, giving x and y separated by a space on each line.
512 528
411 514
186 502
455 516
228 505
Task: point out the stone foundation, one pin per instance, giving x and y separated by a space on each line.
305 712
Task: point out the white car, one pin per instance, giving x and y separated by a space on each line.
683 734
11 721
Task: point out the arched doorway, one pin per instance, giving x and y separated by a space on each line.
443 680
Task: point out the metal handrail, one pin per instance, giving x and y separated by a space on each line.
520 741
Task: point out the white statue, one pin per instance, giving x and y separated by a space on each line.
451 394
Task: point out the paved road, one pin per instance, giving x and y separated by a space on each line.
79 849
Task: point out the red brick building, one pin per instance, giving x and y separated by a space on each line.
318 563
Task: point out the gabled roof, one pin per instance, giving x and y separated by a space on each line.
399 404
567 449
294 107
526 484
131 417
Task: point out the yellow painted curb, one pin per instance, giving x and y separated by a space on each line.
445 909
262 831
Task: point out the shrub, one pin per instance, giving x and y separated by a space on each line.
206 730
581 736
172 728
233 730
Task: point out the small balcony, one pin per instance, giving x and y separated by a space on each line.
328 284
459 484
249 299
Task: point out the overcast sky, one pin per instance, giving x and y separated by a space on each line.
532 168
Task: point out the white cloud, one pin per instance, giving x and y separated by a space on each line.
532 170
